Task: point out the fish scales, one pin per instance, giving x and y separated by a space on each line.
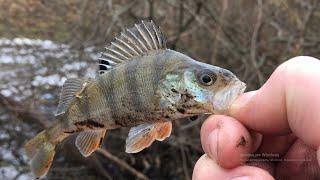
99 108
132 90
79 110
134 93
117 82
121 92
107 87
142 85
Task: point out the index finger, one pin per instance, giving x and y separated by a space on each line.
288 101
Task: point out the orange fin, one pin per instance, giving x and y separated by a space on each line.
163 130
89 141
41 152
142 136
42 160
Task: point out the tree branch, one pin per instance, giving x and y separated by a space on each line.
122 163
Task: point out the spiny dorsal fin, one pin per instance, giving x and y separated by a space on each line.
70 89
136 41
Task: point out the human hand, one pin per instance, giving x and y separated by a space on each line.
286 111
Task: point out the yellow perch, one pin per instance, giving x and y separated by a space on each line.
142 85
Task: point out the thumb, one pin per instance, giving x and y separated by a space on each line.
261 111
288 102
264 110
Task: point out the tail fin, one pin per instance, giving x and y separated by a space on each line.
41 149
41 152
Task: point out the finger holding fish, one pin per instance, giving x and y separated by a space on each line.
226 141
207 169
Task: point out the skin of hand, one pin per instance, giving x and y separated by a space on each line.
272 133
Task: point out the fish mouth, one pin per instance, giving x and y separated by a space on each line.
223 99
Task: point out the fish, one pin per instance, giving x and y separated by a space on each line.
142 85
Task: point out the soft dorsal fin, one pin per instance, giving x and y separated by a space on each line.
136 41
70 89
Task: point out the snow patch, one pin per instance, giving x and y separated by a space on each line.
54 79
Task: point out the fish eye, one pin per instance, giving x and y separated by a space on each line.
207 77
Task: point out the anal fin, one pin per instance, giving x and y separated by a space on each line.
142 136
89 141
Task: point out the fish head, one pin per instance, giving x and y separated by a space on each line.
213 88
200 88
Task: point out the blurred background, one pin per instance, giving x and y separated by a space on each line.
43 42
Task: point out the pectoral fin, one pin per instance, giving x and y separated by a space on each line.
142 136
89 141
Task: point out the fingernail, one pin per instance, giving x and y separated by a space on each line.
241 102
213 144
241 178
